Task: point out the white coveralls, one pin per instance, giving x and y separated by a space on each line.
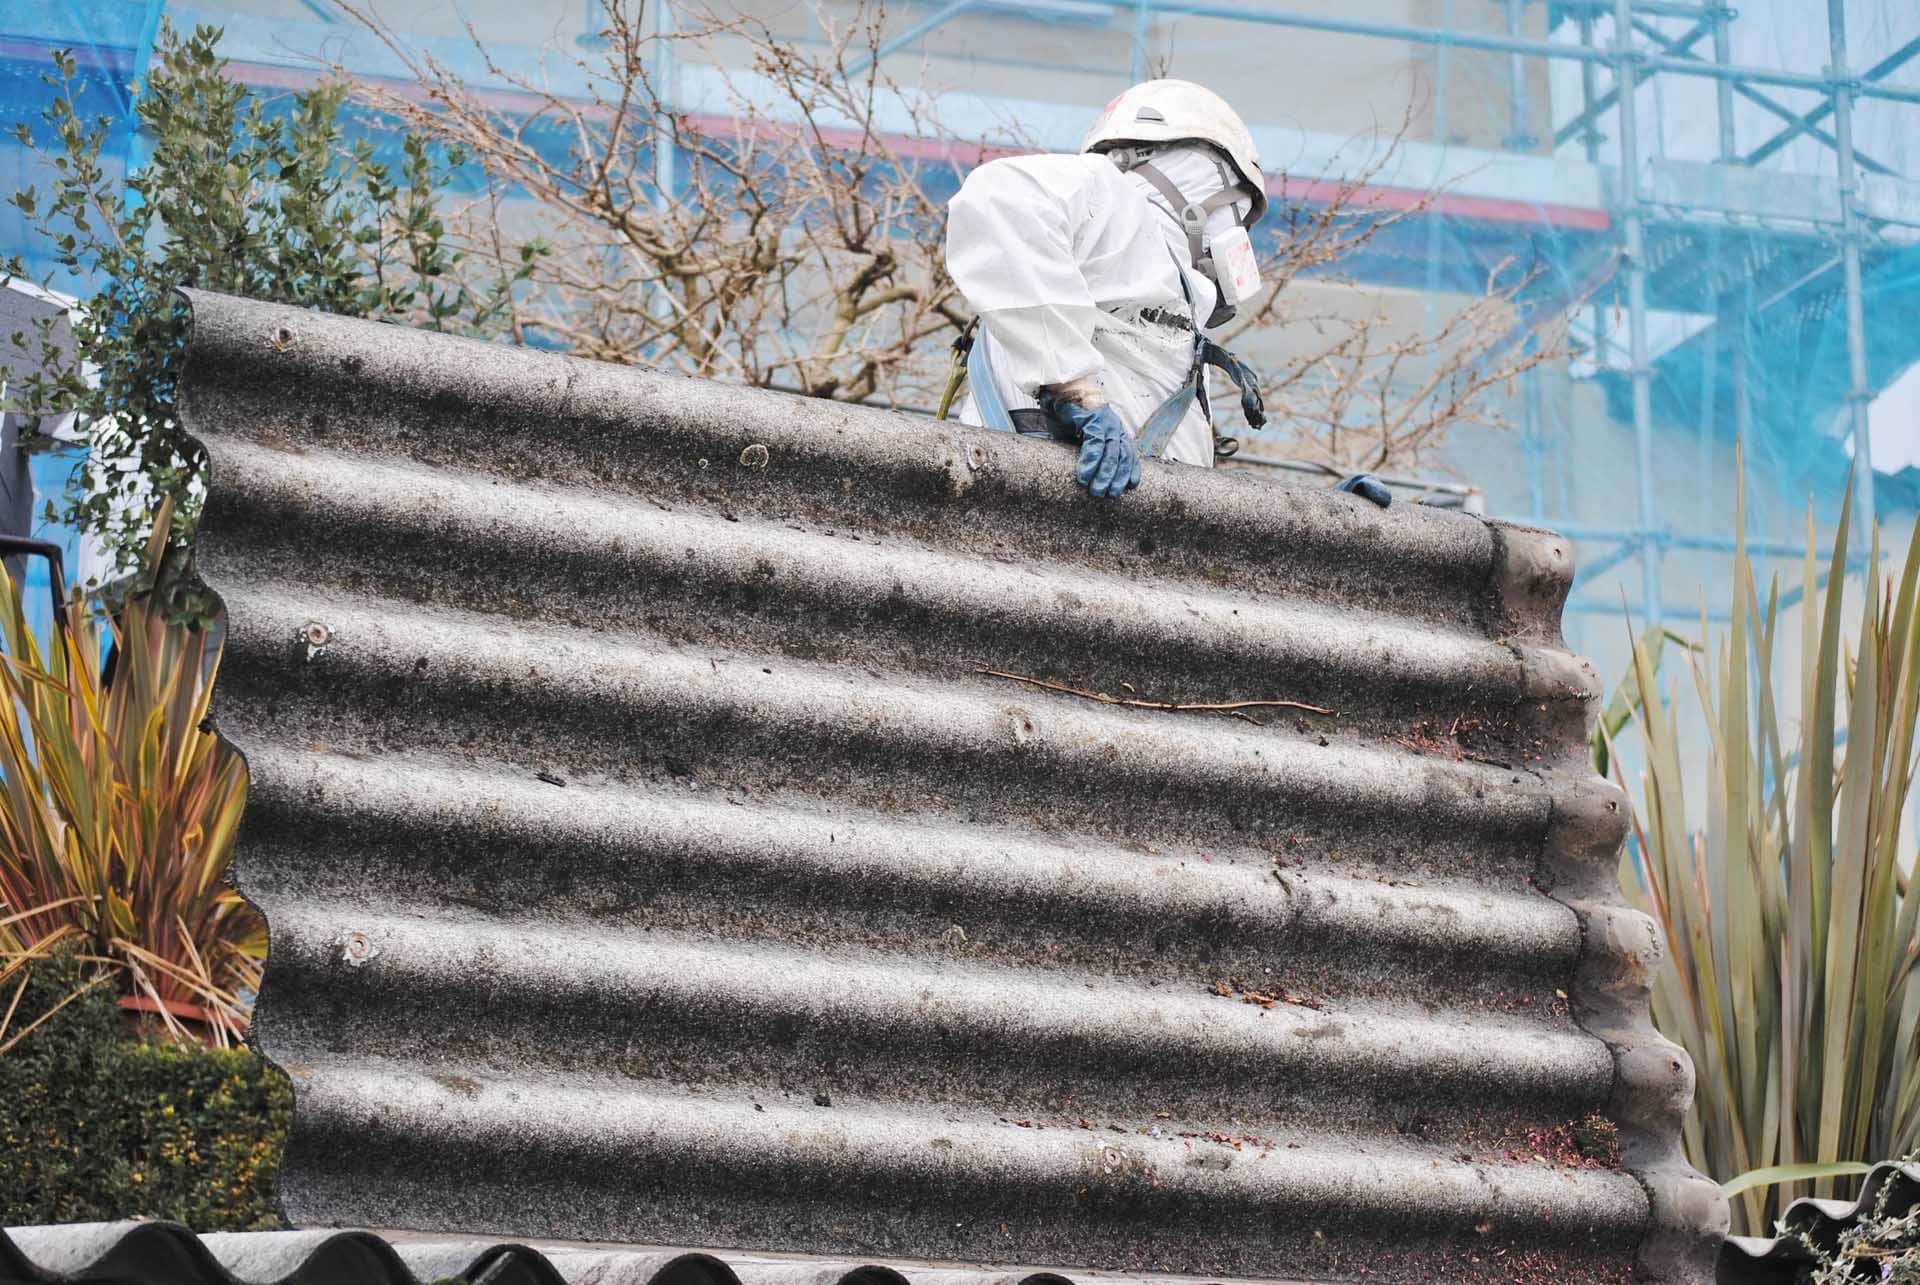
1059 254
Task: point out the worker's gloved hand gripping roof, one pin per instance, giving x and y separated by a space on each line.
1109 464
1367 487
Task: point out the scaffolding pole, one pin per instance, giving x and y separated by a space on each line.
1532 441
1859 391
1688 543
1590 135
1442 129
1742 396
664 158
1716 301
1723 89
1591 138
1626 72
1142 29
137 150
1520 136
662 304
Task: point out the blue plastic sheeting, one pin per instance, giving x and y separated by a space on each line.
105 40
51 471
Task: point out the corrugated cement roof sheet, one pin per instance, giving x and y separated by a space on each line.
157 1253
660 843
1890 1190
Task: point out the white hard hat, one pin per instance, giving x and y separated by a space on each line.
1172 111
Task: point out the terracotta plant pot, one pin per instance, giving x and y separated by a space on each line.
194 1019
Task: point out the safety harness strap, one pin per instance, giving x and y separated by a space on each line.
1175 202
1252 405
1158 430
986 393
1152 437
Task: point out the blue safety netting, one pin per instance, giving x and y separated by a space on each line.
1744 270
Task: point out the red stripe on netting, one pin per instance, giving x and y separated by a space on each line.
965 155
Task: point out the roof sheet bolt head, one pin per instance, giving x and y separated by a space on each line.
357 949
316 636
755 456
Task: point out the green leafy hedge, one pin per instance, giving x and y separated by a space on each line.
95 1126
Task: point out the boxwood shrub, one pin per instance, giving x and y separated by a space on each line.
96 1125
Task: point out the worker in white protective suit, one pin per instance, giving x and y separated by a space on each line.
1094 276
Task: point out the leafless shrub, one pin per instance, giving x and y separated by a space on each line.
789 242
1364 392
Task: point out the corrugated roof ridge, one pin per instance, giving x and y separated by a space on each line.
543 544
757 1147
159 1253
877 857
902 1127
1039 1023
558 678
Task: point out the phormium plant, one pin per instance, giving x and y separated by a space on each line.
118 810
1793 933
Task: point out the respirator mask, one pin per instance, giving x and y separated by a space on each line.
1229 262
1217 241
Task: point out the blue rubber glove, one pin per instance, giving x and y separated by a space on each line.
1367 487
1109 458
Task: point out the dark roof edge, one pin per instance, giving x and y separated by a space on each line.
167 1252
162 1251
1620 948
1744 1260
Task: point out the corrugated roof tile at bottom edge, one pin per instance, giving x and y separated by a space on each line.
1758 1260
161 1253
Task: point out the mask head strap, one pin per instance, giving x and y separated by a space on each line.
1192 216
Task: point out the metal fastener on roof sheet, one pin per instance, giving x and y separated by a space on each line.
842 938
